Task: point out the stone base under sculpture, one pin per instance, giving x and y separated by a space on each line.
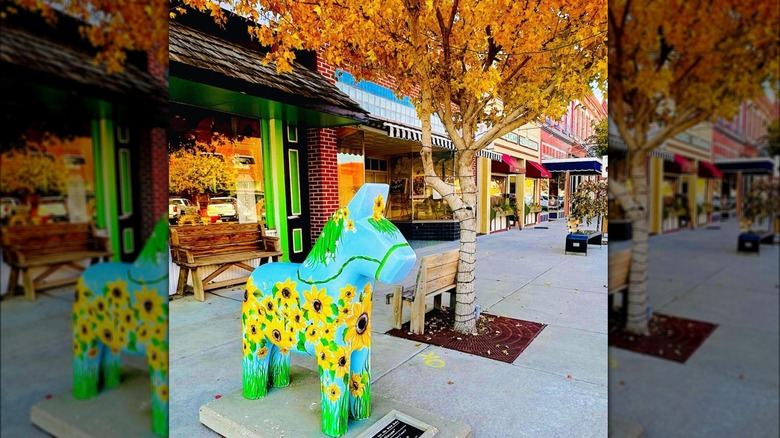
124 411
294 411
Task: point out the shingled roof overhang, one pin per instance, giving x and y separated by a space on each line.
211 72
53 67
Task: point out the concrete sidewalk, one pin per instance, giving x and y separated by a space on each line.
729 387
557 387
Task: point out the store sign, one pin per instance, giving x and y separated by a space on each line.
523 141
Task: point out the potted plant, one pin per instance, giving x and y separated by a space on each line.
535 207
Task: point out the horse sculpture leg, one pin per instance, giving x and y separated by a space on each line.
255 369
334 397
110 367
86 369
158 369
280 367
360 384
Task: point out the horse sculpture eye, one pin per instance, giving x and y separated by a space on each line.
148 305
277 335
316 305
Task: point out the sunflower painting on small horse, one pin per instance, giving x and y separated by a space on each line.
322 307
123 308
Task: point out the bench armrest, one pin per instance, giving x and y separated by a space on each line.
272 243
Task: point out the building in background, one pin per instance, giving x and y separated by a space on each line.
274 132
94 142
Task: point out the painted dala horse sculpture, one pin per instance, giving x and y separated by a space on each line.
123 308
322 307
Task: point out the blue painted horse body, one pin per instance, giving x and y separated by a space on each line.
322 307
123 308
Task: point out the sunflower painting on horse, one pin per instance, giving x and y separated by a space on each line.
322 307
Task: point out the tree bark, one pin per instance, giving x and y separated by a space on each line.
465 294
637 290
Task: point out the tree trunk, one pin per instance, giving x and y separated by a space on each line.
637 291
465 294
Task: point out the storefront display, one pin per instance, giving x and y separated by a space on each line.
216 164
48 178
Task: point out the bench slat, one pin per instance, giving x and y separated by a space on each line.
51 259
446 270
619 265
231 258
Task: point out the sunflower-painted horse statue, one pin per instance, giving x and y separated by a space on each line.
322 307
123 308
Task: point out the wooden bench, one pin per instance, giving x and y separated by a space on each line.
53 247
223 245
437 274
619 268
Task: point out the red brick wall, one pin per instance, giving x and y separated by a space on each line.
323 177
152 178
153 166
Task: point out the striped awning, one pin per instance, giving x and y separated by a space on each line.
413 134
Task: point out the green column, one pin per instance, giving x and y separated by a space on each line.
274 178
106 205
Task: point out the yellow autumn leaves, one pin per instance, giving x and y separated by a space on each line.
113 319
288 322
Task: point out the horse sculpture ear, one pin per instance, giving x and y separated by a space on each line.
363 203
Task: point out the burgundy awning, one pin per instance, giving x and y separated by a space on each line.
508 164
708 170
536 170
679 165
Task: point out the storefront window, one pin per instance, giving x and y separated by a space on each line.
215 168
529 197
545 191
351 171
428 204
47 178
399 205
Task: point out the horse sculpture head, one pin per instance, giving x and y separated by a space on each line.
359 234
322 307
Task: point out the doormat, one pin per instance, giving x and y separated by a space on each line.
500 338
671 338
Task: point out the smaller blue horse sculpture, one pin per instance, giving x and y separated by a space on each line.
322 307
123 308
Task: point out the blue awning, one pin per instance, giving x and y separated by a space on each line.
745 165
580 166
